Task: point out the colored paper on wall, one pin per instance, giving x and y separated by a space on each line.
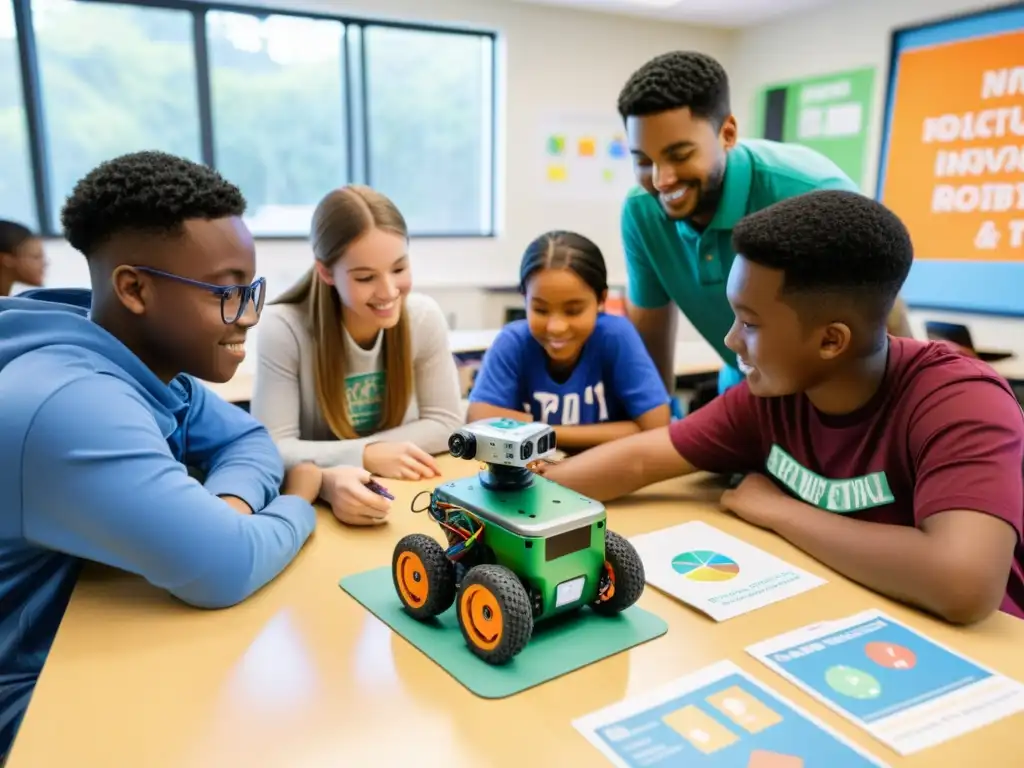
828 113
557 173
592 159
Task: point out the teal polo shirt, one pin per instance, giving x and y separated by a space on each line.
669 260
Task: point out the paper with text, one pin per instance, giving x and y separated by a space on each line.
717 717
716 573
907 691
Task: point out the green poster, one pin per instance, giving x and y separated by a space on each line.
828 113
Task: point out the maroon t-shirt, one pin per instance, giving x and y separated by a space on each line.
943 432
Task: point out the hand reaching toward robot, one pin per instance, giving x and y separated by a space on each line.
352 502
400 461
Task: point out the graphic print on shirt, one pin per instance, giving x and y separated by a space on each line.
365 393
570 408
845 496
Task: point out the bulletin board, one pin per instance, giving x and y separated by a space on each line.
952 159
583 157
829 113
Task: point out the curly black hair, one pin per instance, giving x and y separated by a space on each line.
676 80
829 245
150 191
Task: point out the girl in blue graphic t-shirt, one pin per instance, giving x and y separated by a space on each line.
568 363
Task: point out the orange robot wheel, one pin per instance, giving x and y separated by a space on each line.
424 577
494 613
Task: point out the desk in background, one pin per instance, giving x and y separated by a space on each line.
300 675
693 359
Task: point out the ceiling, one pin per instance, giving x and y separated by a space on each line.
717 13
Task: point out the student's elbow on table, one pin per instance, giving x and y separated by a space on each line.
263 546
969 598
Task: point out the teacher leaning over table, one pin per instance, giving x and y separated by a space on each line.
697 179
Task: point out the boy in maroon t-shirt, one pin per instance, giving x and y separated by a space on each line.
896 462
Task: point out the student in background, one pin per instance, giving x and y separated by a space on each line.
104 432
568 363
895 462
696 179
21 257
354 368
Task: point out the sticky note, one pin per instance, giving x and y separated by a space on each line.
557 173
556 145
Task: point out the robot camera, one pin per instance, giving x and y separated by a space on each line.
503 442
462 444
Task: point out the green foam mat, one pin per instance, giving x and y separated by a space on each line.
558 646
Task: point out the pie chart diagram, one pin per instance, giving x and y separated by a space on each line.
705 565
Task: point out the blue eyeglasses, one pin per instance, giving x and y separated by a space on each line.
233 298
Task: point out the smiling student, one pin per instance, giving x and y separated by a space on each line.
568 363
353 367
895 462
110 450
695 180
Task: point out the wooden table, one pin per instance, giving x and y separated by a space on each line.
302 676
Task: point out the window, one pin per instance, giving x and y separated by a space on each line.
277 90
287 105
429 131
17 201
113 79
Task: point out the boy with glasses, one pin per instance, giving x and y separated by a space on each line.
104 430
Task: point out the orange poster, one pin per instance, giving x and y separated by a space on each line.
954 166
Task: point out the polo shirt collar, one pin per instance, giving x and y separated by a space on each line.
732 207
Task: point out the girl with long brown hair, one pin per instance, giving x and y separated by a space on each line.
355 369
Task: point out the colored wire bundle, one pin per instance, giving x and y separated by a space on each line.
461 527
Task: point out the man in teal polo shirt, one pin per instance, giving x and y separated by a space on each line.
696 180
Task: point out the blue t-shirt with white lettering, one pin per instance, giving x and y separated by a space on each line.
614 378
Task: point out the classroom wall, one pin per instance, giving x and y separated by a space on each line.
840 37
539 46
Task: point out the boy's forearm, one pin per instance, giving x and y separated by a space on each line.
582 436
304 481
237 504
618 468
894 560
598 474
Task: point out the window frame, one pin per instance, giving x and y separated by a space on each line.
355 97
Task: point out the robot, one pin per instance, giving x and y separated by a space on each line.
521 548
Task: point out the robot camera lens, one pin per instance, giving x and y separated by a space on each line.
462 445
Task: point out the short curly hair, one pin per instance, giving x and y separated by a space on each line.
831 244
150 191
677 80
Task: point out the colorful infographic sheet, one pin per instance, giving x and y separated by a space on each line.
717 573
718 717
907 691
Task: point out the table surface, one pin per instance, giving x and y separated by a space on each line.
300 675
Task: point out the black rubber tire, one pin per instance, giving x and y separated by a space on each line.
514 605
627 571
437 570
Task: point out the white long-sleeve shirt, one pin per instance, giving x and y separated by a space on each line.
284 392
